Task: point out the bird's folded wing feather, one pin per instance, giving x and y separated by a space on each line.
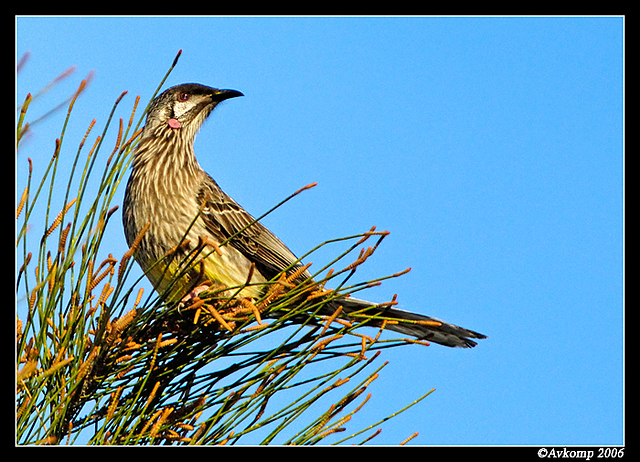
224 217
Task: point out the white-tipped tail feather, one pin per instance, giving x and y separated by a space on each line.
434 330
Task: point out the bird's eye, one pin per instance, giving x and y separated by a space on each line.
183 96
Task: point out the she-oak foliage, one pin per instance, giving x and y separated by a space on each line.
99 361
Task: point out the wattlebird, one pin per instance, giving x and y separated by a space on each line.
172 205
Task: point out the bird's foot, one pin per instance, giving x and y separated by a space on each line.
193 295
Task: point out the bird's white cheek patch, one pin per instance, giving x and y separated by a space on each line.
173 123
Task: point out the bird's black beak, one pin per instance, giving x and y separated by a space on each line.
221 95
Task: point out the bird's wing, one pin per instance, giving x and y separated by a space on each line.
225 217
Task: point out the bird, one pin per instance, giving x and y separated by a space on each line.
172 205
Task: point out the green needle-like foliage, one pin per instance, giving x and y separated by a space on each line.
100 362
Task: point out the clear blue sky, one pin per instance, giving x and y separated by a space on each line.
490 148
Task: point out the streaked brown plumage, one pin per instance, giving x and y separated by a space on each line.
168 188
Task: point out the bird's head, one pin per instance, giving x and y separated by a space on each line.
185 107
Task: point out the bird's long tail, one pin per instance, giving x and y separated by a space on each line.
416 325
